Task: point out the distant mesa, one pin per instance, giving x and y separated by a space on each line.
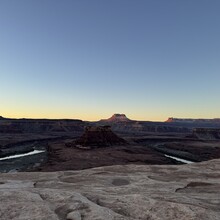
97 137
117 118
191 120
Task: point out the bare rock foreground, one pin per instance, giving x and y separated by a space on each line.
127 192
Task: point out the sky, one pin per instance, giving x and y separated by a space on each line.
89 59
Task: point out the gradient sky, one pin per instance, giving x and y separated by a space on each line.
88 59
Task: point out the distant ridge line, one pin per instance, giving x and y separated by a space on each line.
192 120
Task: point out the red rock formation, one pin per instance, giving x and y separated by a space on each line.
96 137
117 118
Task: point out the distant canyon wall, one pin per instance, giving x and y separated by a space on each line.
191 120
118 122
207 133
40 125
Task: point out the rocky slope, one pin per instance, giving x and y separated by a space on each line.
131 192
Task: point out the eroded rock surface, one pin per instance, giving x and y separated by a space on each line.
128 192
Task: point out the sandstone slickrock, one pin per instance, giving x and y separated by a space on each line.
129 192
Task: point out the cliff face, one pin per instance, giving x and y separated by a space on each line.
40 125
131 192
207 133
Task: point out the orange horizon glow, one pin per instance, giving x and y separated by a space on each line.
91 117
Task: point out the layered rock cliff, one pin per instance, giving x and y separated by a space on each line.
40 125
207 133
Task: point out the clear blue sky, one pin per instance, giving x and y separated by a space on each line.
88 59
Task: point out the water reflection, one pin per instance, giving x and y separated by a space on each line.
22 155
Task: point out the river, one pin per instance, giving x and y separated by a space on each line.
22 155
179 159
